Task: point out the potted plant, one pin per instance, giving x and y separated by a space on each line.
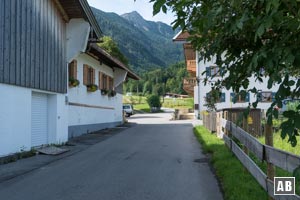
104 91
73 82
112 93
92 88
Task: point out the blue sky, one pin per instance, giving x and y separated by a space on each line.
126 6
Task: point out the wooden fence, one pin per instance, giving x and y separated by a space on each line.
277 157
210 120
251 124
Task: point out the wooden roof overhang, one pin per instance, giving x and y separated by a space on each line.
95 51
71 9
181 37
189 52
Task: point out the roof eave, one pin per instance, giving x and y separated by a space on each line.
115 62
89 13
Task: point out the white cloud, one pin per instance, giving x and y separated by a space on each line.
125 6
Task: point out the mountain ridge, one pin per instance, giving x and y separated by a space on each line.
146 44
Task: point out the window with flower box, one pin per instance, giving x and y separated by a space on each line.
89 78
72 71
88 75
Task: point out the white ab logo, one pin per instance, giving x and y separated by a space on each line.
284 186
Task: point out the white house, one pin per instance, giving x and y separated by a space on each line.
38 40
210 69
101 108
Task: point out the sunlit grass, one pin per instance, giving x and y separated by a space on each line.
142 107
140 102
283 143
178 103
236 182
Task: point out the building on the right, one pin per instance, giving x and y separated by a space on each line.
199 70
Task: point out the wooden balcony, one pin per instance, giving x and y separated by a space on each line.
189 84
191 66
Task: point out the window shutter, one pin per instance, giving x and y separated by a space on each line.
107 83
99 80
85 74
70 70
223 97
222 71
207 96
208 71
232 97
273 96
259 97
92 75
247 98
110 83
104 82
75 69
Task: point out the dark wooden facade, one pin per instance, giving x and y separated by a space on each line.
33 45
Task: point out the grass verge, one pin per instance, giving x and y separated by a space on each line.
236 181
142 107
17 156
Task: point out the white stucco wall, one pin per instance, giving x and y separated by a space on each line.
15 119
204 89
79 115
77 31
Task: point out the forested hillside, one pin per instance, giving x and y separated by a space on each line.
147 45
159 81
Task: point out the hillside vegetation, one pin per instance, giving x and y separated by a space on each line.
159 81
147 45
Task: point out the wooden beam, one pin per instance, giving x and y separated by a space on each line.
61 10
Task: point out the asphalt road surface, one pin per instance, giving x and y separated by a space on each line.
154 159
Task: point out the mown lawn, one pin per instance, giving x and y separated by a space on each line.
142 107
236 181
178 103
140 102
283 144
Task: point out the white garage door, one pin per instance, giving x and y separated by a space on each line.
39 119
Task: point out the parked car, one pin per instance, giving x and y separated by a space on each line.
128 109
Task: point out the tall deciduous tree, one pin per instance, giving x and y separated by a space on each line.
246 37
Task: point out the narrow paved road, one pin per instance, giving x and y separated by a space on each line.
152 160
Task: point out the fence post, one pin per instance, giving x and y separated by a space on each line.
245 127
269 141
226 117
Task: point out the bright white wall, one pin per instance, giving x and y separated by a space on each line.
83 115
77 36
15 119
201 67
57 119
